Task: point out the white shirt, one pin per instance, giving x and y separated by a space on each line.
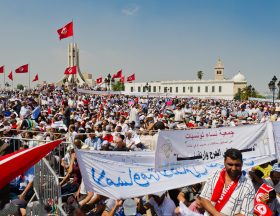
134 116
241 200
179 115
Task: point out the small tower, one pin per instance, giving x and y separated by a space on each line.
219 70
73 60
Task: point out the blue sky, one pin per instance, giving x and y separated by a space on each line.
155 39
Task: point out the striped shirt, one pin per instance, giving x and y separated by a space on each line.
241 200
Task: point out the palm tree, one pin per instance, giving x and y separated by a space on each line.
199 74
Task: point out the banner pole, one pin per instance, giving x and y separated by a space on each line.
4 79
29 76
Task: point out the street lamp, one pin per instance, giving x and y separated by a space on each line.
272 87
278 84
109 80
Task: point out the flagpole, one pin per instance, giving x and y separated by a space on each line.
29 74
73 33
4 79
74 76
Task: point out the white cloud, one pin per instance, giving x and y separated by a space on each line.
130 11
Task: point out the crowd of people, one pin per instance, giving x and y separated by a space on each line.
128 123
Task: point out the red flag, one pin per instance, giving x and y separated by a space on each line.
19 162
2 69
66 31
36 78
11 76
117 75
99 80
22 69
131 78
122 79
71 70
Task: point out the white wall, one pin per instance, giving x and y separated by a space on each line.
226 91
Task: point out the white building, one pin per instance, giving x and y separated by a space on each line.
217 88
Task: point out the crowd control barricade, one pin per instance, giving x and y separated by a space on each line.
47 188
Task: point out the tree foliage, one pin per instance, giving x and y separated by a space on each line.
118 86
246 92
199 74
20 87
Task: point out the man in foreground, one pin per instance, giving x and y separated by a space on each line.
229 191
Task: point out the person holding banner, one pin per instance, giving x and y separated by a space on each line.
229 191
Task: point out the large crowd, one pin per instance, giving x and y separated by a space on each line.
120 123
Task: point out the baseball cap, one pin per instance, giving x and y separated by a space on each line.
129 207
276 167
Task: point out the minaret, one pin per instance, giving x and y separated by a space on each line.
219 70
73 60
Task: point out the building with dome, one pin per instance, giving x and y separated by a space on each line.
217 88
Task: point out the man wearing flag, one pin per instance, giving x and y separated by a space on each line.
229 191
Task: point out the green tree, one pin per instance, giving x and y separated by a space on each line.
199 74
7 84
246 92
20 86
118 86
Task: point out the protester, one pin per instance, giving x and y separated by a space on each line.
229 191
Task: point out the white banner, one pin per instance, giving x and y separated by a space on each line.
187 147
276 132
121 175
263 99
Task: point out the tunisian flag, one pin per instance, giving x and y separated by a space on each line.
14 164
22 69
99 80
71 70
2 69
66 31
36 78
117 75
131 78
11 75
122 79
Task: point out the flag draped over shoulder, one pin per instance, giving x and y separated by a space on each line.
70 70
131 78
36 78
66 31
2 69
18 162
11 75
117 75
22 69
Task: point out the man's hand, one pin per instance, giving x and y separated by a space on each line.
181 197
21 196
264 198
118 203
77 195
